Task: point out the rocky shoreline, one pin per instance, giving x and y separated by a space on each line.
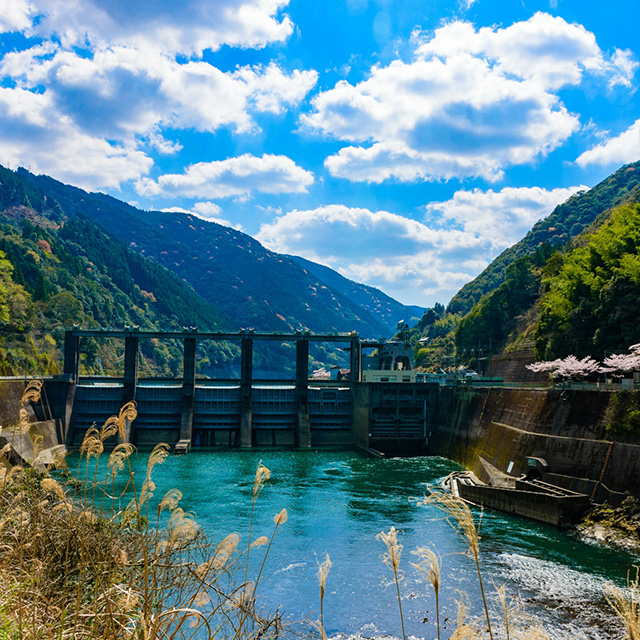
616 527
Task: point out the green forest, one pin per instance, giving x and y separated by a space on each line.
571 286
57 272
590 296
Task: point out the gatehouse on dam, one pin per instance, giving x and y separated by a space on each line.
391 414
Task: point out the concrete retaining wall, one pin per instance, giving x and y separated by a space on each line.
556 510
22 443
506 426
10 394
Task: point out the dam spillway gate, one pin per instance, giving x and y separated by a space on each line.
245 412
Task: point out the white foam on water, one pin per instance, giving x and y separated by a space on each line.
290 567
568 603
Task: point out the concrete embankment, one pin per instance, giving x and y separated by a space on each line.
505 429
42 439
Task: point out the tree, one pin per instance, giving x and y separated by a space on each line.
569 368
618 364
65 309
5 281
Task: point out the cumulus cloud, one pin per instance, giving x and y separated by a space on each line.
241 176
546 49
499 218
159 90
196 25
434 257
208 211
125 76
470 104
618 150
15 15
35 137
379 248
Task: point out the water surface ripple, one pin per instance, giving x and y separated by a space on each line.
338 501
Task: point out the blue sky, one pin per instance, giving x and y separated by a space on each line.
403 143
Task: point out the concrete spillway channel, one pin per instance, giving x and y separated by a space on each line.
530 498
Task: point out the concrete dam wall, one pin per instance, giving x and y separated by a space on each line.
503 430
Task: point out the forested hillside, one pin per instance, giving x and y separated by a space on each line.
582 299
57 271
567 287
565 222
70 257
255 287
591 296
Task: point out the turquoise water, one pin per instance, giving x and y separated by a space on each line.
338 501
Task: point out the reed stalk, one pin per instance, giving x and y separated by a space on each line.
262 475
323 572
429 566
459 516
392 559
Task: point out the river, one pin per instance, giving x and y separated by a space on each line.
338 501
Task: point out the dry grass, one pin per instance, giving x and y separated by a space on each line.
626 604
461 519
392 559
428 566
78 560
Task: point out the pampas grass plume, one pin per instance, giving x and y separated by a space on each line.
394 549
626 604
280 518
262 475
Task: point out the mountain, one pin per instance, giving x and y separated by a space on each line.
580 298
384 308
590 298
255 287
565 222
58 270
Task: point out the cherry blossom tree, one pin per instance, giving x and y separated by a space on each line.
569 368
620 364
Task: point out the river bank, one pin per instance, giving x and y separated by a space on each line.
615 527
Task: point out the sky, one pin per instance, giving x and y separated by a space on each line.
403 143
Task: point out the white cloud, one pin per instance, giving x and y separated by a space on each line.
126 76
470 104
380 248
241 176
36 137
457 240
208 211
499 218
130 98
619 150
186 28
269 89
15 15
159 90
624 64
545 49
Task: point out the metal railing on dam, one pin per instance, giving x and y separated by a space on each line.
242 412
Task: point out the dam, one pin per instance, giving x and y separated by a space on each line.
543 452
390 415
